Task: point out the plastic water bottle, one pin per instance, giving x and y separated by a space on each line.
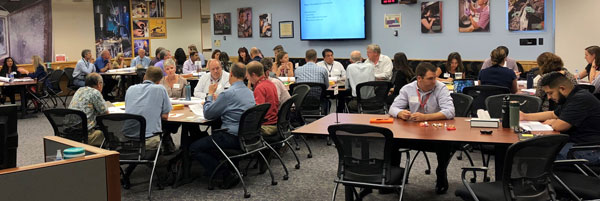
188 92
577 75
58 155
505 112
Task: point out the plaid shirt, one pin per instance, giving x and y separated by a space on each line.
310 72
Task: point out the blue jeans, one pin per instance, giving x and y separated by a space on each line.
78 82
593 157
205 151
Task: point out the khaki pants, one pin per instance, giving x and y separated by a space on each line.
95 138
152 142
268 129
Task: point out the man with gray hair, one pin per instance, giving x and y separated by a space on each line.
162 56
141 59
357 72
383 64
89 100
216 75
83 67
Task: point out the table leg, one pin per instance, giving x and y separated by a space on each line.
186 163
23 94
500 155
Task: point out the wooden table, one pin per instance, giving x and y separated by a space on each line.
22 87
121 86
410 130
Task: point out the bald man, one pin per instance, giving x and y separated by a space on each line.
102 65
142 60
357 72
255 54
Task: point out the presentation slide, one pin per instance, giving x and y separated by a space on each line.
332 19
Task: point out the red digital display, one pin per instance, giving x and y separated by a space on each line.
389 1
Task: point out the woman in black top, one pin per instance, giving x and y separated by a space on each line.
446 72
243 55
592 56
403 74
180 57
9 67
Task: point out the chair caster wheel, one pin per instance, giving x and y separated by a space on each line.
211 188
459 158
297 166
328 143
473 180
427 171
273 183
486 179
285 177
297 148
309 156
246 195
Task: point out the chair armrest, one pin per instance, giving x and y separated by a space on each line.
465 169
220 129
584 148
403 150
570 162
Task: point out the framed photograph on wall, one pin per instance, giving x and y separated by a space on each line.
473 16
156 8
431 17
141 44
3 38
526 15
139 9
244 22
286 29
222 23
264 22
157 28
140 29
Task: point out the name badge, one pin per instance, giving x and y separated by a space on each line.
446 75
176 86
413 99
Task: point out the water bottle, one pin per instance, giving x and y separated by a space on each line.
48 66
577 75
188 92
505 112
58 155
514 114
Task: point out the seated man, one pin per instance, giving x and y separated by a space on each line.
310 72
189 66
426 99
333 67
216 75
382 63
228 106
264 92
162 56
150 100
577 115
141 59
102 65
358 72
83 67
89 100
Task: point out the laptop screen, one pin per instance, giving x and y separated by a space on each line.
460 84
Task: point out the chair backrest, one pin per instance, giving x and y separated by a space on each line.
8 136
588 87
364 152
480 93
54 79
371 96
283 117
69 73
300 90
528 168
141 72
124 133
529 104
312 101
68 123
462 104
249 128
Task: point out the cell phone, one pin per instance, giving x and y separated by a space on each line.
486 132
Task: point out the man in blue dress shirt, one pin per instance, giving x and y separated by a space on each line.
229 106
102 65
141 59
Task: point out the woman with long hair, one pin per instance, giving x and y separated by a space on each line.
224 58
453 65
243 55
40 69
215 54
8 67
403 74
180 57
549 62
119 61
283 67
592 56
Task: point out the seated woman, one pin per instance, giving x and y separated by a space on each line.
283 67
403 74
40 72
498 75
592 56
8 68
447 72
175 85
118 62
550 62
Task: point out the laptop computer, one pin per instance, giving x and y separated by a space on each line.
460 84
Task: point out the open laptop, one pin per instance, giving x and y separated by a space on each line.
460 84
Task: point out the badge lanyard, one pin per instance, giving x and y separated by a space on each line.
422 103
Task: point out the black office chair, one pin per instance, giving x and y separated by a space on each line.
371 97
315 105
529 104
284 129
141 72
71 85
527 173
118 130
297 121
575 178
251 143
364 159
480 93
54 88
68 123
589 87
462 106
9 137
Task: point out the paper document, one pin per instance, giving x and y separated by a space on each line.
535 126
197 110
115 110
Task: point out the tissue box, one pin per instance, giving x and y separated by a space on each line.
485 123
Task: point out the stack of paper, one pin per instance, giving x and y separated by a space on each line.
4 79
25 79
194 101
535 126
197 110
115 110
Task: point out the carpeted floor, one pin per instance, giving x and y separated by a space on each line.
313 181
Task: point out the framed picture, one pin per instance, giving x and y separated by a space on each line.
139 9
244 22
473 16
286 29
3 38
140 29
431 17
157 28
264 21
156 8
222 23
526 15
141 44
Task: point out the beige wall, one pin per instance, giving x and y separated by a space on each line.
182 32
72 27
576 29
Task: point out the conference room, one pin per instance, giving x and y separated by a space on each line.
299 100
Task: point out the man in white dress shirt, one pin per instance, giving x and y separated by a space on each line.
334 68
216 75
383 64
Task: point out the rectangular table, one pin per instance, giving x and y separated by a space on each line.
410 130
122 85
22 87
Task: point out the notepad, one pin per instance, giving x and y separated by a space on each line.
381 120
535 126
